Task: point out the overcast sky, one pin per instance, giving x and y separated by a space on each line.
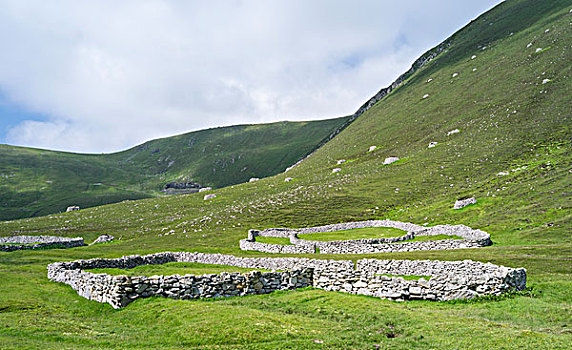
103 75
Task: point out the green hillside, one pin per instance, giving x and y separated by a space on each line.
37 182
513 152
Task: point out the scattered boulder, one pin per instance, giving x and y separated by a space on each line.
429 80
473 57
538 49
426 95
456 131
432 144
288 179
72 208
390 160
205 189
336 170
455 74
372 148
103 238
464 202
342 161
545 81
253 179
209 196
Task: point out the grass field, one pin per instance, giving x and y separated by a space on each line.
357 233
174 268
513 153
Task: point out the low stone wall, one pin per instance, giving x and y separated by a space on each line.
471 239
120 290
35 242
445 280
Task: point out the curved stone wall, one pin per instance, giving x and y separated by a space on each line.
120 290
471 239
445 280
35 242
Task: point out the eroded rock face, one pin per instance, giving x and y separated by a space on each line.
464 202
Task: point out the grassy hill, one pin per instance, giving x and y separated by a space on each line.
513 152
37 182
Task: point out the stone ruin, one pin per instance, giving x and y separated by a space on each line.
471 239
8 244
461 203
431 279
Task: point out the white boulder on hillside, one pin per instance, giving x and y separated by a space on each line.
390 160
456 131
209 196
336 170
288 179
253 179
341 161
464 202
72 208
372 148
205 189
432 144
103 238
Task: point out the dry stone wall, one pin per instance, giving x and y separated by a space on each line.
444 280
471 239
8 244
120 290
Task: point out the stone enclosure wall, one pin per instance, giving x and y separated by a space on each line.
471 239
35 242
444 280
119 291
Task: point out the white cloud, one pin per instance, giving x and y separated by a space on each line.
111 74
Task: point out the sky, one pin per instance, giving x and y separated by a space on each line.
98 76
